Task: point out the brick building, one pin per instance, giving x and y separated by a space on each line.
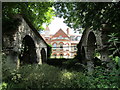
63 44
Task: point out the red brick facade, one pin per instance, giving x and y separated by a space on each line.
63 45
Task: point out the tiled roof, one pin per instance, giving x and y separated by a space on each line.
60 32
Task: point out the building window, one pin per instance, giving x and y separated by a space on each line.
75 48
61 46
67 55
67 46
60 37
78 38
61 55
54 46
72 38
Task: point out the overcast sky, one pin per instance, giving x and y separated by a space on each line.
56 24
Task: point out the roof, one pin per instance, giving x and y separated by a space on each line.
60 32
31 26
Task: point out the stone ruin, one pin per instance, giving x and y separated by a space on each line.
24 44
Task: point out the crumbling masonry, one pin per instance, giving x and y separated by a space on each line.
24 45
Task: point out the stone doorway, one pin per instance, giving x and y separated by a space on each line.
43 55
28 51
91 46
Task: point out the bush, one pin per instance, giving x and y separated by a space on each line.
46 76
74 65
43 76
104 78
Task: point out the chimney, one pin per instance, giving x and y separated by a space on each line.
67 31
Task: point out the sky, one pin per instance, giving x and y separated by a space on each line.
58 23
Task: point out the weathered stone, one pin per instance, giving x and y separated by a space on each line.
93 41
25 37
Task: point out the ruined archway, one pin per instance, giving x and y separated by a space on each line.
83 56
28 52
91 46
43 55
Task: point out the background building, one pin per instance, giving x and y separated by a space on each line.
64 45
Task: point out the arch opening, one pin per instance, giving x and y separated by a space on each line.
43 55
28 53
83 56
91 46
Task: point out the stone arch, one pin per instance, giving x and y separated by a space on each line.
90 51
28 51
43 55
91 46
83 55
83 52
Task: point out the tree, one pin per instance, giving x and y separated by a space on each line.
37 12
89 14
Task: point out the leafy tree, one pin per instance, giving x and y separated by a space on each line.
89 14
37 12
92 15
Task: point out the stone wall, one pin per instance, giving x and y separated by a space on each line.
92 42
13 42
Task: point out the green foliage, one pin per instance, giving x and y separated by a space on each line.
37 13
3 86
89 14
45 76
37 76
114 47
114 44
74 64
104 78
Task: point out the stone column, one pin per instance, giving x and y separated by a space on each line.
15 55
12 59
105 57
90 64
38 56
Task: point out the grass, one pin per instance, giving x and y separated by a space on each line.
42 76
48 76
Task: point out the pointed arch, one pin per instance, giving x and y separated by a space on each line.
28 52
43 55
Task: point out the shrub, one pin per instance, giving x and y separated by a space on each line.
46 76
104 78
43 76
